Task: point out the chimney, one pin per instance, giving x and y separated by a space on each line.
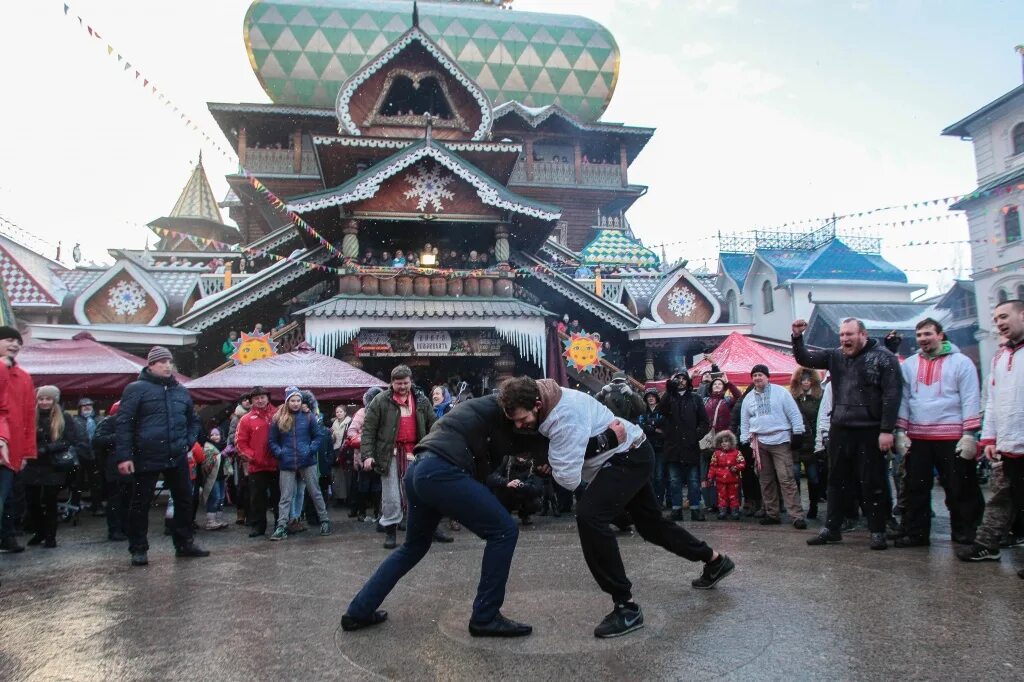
1020 50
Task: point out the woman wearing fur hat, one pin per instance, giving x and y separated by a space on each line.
55 435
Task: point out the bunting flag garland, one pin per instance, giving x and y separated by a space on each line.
151 89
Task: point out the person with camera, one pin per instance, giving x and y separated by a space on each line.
621 399
56 439
517 486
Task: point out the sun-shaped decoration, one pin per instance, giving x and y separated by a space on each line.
126 298
682 302
252 347
583 351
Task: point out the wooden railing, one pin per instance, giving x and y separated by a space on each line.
214 283
288 338
605 370
280 161
559 173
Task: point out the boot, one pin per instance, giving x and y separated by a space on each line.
390 537
240 517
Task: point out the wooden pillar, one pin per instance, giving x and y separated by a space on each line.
502 251
350 240
649 366
623 164
242 144
528 150
297 151
578 153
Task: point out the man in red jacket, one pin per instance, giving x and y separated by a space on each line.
251 442
17 428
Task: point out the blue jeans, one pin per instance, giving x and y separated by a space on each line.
710 494
812 472
677 471
6 487
435 488
216 497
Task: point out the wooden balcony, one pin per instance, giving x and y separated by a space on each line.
212 284
423 283
611 289
557 173
281 161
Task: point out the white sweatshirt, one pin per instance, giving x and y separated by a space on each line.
771 415
824 417
569 427
941 397
1004 409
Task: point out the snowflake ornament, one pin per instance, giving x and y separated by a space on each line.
429 186
127 298
682 302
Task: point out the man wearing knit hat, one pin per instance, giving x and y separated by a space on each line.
771 422
17 428
156 428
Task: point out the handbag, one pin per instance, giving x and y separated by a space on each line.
708 441
67 461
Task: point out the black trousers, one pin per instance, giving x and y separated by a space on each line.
750 484
854 460
178 481
119 497
624 485
41 502
957 476
264 492
520 501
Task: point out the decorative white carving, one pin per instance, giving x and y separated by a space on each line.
429 186
682 302
127 298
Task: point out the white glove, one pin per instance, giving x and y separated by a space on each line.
967 447
902 444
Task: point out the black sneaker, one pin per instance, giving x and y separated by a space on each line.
714 571
140 559
770 521
191 552
441 536
978 552
878 541
1010 540
623 619
499 627
825 537
350 623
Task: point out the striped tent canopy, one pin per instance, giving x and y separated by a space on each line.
615 247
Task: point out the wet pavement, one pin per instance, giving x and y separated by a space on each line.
257 610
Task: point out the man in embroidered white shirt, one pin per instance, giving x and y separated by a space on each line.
618 480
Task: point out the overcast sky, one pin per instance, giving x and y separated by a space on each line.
768 111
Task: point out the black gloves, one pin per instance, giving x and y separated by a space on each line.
797 442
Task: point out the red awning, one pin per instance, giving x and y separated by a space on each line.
82 367
327 377
736 355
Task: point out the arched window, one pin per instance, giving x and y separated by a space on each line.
1020 292
1017 136
1011 224
766 297
730 304
1002 296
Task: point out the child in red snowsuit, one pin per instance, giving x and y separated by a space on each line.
724 474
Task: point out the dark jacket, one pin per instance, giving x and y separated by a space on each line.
40 471
84 445
653 424
104 441
866 388
296 449
685 424
472 436
380 427
808 405
155 425
511 469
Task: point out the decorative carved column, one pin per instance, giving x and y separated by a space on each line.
623 163
528 150
242 144
297 151
350 240
502 251
578 162
649 366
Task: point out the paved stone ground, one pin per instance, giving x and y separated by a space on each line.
257 610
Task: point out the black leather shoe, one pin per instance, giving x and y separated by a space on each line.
191 552
350 623
499 627
825 537
139 559
441 536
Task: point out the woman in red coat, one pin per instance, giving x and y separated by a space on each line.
17 426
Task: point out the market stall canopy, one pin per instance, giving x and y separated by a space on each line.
736 355
82 366
327 377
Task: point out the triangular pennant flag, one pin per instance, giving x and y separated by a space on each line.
137 74
97 35
89 28
66 8
145 82
110 49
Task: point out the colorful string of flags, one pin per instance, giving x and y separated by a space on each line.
150 86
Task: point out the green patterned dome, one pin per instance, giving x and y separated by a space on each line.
615 247
303 50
